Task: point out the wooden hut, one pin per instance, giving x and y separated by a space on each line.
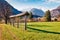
13 18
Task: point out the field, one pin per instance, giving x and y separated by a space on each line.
35 31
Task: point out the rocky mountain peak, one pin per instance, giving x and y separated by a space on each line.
58 7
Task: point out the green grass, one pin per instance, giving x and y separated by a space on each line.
35 31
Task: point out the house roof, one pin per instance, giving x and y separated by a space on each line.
21 14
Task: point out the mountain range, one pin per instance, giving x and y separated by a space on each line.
55 12
35 12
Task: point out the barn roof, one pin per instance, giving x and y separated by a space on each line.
21 14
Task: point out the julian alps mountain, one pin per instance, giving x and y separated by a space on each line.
3 7
55 12
37 12
15 11
58 7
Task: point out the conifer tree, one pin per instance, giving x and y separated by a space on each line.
48 15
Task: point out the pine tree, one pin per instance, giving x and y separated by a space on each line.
48 15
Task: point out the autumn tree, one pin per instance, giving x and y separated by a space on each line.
58 15
6 12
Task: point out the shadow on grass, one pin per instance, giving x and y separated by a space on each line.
43 31
40 25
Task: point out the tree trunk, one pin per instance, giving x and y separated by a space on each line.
5 20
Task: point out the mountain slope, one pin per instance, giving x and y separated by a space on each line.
37 12
55 12
4 6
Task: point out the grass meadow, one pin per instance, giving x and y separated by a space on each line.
35 31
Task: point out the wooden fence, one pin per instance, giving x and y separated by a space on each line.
16 19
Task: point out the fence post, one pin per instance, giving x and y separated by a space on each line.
17 22
25 22
13 21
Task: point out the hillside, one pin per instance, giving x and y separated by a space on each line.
5 7
55 12
37 12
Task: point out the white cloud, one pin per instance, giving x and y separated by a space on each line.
40 7
9 0
57 1
27 8
43 8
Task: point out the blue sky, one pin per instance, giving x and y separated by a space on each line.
40 4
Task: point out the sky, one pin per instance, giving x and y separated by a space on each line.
40 4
